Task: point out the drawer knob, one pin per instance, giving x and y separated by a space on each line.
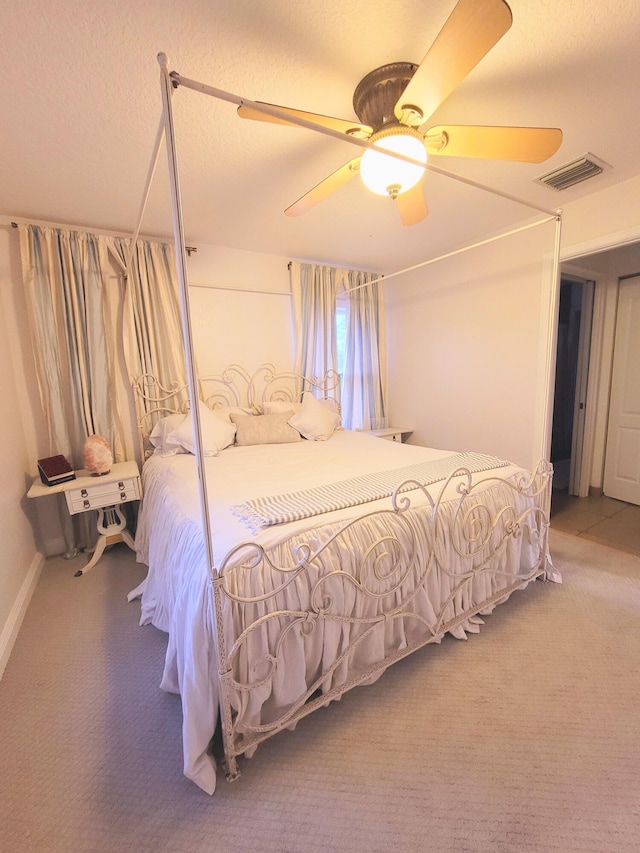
121 485
83 492
394 437
123 496
86 504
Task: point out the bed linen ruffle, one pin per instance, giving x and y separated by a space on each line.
177 598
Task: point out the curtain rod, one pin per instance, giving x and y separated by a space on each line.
66 227
239 289
332 265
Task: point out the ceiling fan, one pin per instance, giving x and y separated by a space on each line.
394 102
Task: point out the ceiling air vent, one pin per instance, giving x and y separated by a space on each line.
572 173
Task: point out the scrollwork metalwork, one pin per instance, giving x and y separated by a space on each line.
423 543
235 386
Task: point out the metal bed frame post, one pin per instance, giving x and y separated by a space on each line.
181 264
183 287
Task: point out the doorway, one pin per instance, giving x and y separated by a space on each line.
572 366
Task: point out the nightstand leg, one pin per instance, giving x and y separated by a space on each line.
128 539
101 544
112 529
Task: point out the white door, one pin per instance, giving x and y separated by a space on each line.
622 462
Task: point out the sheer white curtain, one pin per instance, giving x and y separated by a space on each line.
363 384
314 289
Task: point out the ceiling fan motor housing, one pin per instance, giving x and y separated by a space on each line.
377 94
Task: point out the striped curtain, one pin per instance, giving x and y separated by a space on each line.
65 287
363 385
67 300
315 291
80 319
152 327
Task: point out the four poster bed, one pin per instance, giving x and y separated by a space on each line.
335 553
290 560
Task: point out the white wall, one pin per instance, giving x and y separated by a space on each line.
479 326
465 344
240 309
20 561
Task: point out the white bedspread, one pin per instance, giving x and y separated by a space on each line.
176 595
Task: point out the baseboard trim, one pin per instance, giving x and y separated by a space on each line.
10 630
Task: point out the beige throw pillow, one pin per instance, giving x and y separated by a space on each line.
264 429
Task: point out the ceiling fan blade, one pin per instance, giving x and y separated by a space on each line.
324 188
341 125
525 144
469 33
412 205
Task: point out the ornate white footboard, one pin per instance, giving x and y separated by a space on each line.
303 623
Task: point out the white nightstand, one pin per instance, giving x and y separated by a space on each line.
392 433
104 493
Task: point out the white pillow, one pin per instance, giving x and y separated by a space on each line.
217 433
160 432
315 420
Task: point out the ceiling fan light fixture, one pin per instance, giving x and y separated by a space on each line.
387 175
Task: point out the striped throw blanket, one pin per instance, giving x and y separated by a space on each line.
278 509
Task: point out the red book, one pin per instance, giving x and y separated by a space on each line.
55 469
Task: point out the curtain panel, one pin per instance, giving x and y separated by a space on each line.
82 321
67 302
66 294
316 291
364 391
152 329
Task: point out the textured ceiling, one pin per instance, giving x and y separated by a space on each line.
81 107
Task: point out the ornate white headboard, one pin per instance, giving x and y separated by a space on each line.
235 386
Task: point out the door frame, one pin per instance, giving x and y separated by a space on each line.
576 257
577 472
587 378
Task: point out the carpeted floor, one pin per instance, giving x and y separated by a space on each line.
524 738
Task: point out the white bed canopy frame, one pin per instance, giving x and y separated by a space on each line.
170 81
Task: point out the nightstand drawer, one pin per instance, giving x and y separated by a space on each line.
394 436
398 434
103 494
